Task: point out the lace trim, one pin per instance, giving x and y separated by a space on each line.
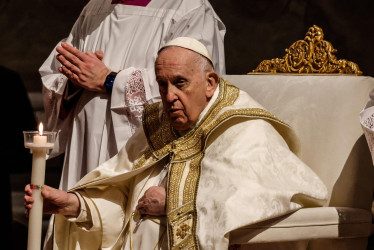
135 99
369 122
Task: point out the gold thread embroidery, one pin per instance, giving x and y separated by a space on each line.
182 231
175 176
192 180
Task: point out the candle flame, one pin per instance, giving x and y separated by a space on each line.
41 128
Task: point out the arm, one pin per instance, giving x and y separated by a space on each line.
55 201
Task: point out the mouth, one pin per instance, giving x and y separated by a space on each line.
175 110
175 113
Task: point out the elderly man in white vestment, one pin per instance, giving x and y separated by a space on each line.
95 121
207 160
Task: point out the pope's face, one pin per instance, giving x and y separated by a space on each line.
184 88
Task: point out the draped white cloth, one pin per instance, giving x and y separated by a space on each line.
248 175
130 37
367 123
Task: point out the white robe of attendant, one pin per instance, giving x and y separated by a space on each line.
248 174
130 37
367 123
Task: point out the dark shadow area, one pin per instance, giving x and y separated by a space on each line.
18 116
355 184
259 30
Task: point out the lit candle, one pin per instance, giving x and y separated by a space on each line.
39 146
40 139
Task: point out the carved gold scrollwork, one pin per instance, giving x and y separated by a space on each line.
311 55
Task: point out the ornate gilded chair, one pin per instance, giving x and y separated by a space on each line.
322 103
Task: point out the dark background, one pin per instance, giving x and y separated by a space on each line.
256 30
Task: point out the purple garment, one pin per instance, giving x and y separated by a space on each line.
132 2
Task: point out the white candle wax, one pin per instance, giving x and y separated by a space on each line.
36 213
40 140
37 180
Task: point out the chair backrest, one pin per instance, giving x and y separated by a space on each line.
324 111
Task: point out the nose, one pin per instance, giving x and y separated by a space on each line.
171 93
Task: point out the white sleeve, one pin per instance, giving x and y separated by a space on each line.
367 123
54 85
84 215
133 90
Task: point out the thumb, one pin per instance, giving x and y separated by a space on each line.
99 54
47 191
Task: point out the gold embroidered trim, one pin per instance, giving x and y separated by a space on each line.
191 184
182 227
158 131
175 177
183 219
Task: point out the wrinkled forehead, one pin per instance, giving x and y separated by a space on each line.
173 52
175 57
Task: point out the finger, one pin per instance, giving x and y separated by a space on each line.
27 206
99 54
142 210
140 205
72 67
68 56
46 192
90 53
28 200
69 74
73 51
28 190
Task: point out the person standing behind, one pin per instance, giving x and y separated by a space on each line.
115 43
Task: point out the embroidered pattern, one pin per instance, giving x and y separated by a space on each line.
369 125
369 122
182 231
135 99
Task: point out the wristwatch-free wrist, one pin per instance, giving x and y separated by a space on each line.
109 81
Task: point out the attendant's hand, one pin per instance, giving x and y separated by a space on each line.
153 202
55 201
85 70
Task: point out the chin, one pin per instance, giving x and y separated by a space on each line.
179 126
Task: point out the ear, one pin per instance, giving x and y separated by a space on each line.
212 79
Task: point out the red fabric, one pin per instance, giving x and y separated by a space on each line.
132 2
